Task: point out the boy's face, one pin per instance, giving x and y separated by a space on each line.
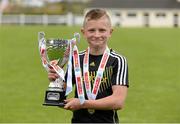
97 32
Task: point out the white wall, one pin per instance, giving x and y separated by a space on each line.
166 21
139 20
134 21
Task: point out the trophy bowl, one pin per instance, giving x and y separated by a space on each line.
55 49
52 55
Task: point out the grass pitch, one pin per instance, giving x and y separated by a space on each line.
154 71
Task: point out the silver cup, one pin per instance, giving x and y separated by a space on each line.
54 54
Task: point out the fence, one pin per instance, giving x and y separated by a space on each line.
22 19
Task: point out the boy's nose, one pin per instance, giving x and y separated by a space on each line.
97 34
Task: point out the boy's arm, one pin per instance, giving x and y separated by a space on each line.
114 101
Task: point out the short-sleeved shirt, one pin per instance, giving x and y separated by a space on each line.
115 73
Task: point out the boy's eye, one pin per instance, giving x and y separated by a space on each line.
91 30
102 30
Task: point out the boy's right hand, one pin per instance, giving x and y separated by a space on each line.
52 75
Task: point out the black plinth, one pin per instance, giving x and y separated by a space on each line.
54 97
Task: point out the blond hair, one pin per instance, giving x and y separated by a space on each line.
96 14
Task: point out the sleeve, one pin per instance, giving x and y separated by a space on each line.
120 72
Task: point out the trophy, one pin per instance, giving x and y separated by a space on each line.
52 56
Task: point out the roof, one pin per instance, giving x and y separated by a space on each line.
159 4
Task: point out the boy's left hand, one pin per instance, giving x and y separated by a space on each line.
72 104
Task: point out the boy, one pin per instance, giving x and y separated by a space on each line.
109 90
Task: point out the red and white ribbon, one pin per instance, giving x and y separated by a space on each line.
42 50
86 73
99 75
78 76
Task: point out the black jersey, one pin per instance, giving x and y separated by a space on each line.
115 73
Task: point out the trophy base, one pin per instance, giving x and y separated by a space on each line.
54 97
61 104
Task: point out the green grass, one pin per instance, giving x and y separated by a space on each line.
153 57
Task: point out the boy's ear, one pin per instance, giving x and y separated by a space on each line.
111 31
82 30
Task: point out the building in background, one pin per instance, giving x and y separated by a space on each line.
141 13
